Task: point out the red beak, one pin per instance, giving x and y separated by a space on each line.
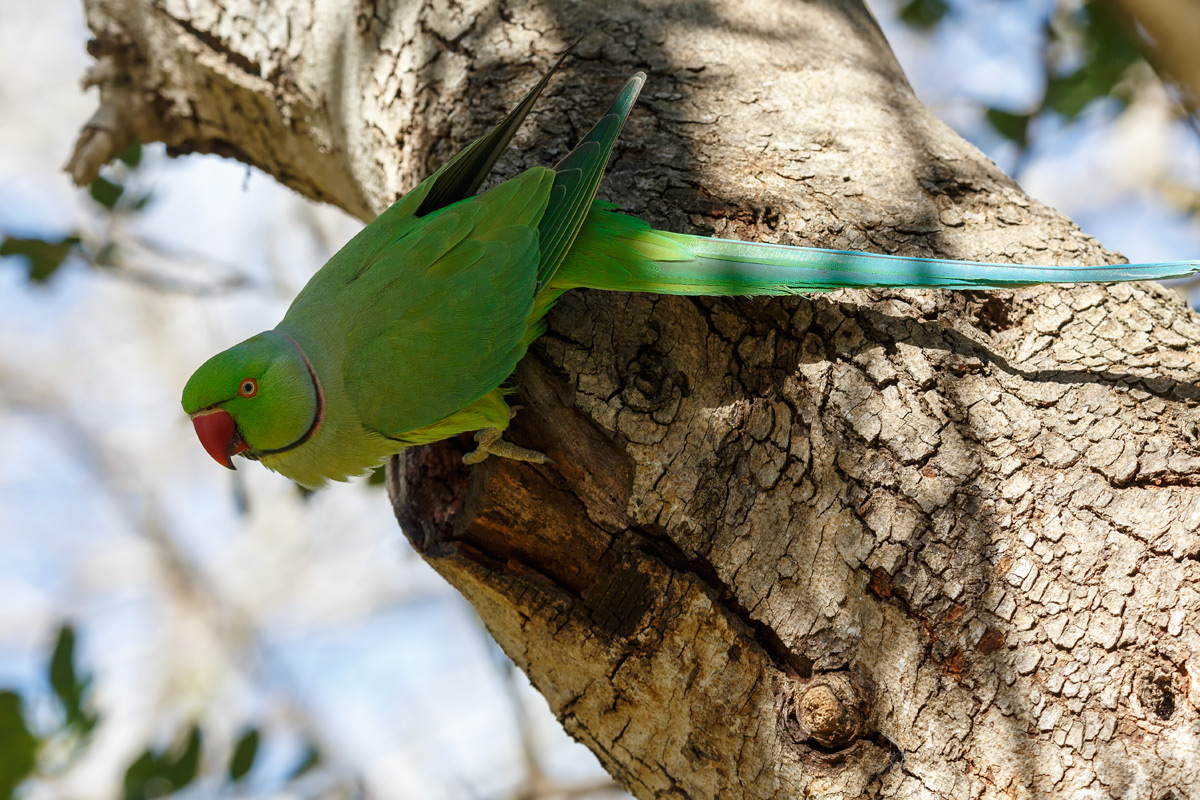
218 433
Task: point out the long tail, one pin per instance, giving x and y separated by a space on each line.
623 253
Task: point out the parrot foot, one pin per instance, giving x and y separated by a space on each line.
489 443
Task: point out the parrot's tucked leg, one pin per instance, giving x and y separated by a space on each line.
489 443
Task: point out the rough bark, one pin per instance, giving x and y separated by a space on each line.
885 544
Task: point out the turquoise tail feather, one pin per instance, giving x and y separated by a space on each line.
813 270
622 253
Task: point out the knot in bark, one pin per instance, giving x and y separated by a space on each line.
652 382
831 711
1155 692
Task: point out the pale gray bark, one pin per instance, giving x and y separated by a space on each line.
886 544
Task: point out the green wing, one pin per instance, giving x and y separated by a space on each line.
576 179
440 315
432 312
459 178
456 180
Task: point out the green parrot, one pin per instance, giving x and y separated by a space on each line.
408 334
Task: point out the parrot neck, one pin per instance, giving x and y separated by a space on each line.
318 415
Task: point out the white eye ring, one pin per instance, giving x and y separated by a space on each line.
249 388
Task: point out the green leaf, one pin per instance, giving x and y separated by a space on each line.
105 192
243 755
923 14
183 769
69 686
1014 127
44 256
18 747
158 774
62 664
63 678
378 477
132 156
1109 51
312 757
143 770
1070 94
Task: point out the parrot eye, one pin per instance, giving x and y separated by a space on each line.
249 388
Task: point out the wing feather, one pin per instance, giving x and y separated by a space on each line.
440 321
578 177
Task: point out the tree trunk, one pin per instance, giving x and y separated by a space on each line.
871 543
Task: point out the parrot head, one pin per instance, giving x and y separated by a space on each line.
257 398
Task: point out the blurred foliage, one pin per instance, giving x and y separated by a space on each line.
1107 51
1014 127
43 257
27 749
18 747
157 774
243 755
311 760
69 687
1088 53
105 192
923 14
117 193
31 752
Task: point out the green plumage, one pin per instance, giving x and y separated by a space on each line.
408 333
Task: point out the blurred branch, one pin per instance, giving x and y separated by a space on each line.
103 137
122 256
124 267
1169 33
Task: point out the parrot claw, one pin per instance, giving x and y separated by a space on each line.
489 443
